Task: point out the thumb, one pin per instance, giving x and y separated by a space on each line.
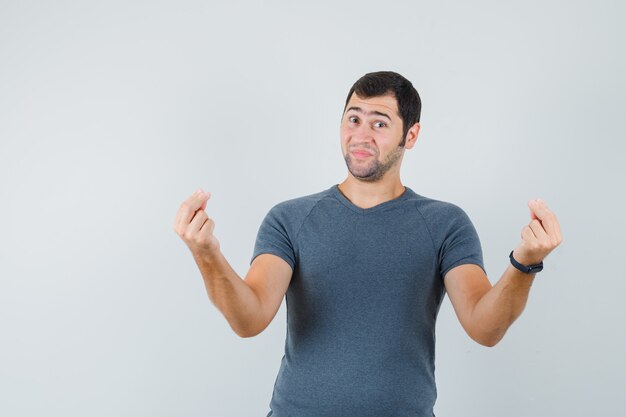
205 201
532 212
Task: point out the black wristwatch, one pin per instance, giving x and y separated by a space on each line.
530 269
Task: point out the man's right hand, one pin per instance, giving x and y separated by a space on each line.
195 227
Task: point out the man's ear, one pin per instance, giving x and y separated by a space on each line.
411 136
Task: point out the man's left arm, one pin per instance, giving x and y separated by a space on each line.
486 312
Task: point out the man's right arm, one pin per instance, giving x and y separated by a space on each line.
248 305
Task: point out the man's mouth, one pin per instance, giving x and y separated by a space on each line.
361 154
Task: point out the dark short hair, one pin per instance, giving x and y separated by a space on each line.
381 83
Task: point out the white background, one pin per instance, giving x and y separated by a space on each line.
112 113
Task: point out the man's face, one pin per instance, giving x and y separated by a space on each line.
371 132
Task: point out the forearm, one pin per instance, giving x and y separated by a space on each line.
230 294
499 307
485 311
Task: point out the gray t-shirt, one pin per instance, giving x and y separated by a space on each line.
366 289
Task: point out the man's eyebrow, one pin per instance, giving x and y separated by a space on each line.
360 110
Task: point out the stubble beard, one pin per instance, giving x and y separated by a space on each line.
373 170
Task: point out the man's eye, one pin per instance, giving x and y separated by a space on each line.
380 124
352 119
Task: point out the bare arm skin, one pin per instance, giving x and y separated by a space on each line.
486 312
248 305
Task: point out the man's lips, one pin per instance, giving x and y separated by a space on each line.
361 154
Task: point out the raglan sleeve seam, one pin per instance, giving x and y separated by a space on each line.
295 239
430 235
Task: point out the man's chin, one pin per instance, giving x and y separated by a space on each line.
366 174
368 177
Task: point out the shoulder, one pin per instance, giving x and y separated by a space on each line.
444 220
291 213
437 211
299 205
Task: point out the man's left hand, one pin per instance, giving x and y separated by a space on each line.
540 236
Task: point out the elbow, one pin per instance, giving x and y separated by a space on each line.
241 332
487 334
244 334
487 340
247 333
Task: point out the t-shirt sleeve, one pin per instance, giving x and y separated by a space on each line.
461 244
273 237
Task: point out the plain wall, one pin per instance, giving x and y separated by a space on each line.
112 113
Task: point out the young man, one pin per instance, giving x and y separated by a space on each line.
365 265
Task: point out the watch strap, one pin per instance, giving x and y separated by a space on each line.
527 269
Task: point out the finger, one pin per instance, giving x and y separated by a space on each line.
532 213
184 207
558 231
198 221
540 209
538 230
527 234
189 207
545 215
557 226
208 227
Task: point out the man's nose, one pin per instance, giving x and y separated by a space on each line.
364 131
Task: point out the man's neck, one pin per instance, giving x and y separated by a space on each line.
369 194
